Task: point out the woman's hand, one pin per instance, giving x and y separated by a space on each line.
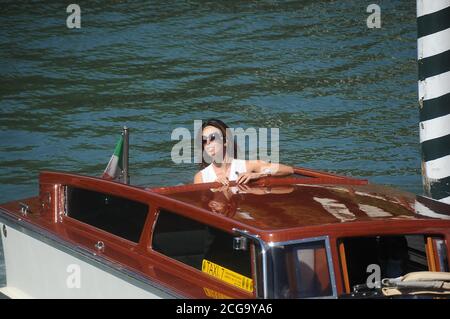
223 181
247 177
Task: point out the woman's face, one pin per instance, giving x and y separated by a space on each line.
212 140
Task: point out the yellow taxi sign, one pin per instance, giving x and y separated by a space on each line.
227 275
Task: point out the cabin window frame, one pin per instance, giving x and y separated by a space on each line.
252 249
326 240
430 250
99 233
438 245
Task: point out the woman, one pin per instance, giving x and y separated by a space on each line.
224 167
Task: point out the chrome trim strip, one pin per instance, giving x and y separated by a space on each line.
442 254
2 260
329 258
330 267
83 254
263 246
298 241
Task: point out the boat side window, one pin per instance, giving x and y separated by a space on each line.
198 245
117 215
442 257
301 270
437 253
395 255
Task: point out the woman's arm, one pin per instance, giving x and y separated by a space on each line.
273 169
198 178
257 169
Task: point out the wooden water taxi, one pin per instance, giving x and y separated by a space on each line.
312 235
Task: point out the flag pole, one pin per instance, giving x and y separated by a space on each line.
126 176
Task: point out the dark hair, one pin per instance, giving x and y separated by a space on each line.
228 138
231 204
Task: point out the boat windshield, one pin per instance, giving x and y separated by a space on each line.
301 270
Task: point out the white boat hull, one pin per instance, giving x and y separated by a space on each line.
40 267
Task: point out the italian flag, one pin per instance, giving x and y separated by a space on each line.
114 168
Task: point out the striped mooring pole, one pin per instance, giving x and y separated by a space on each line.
433 55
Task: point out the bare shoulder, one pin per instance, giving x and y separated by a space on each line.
198 177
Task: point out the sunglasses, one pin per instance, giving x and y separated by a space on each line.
216 136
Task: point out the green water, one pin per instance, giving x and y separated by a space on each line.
342 95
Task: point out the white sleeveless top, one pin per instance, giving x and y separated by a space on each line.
237 165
